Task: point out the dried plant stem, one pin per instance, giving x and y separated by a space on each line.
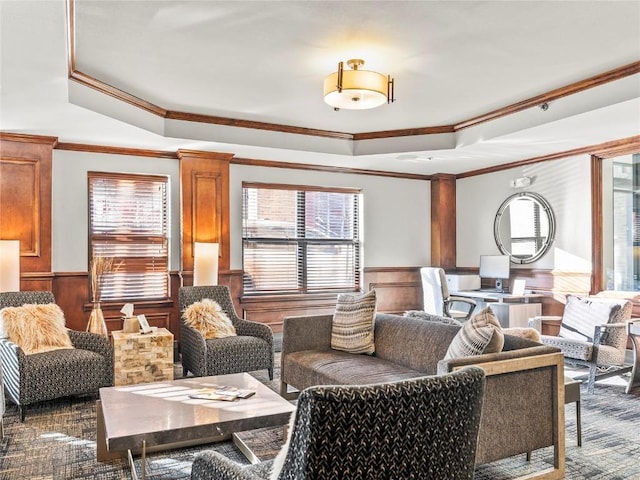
100 266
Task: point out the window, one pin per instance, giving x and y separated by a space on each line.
128 222
300 239
624 268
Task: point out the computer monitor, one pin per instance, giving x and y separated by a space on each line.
495 266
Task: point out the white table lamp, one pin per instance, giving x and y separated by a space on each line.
205 263
9 265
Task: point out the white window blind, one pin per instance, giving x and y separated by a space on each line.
300 239
128 221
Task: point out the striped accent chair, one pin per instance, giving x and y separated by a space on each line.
424 428
2 403
592 334
250 350
43 376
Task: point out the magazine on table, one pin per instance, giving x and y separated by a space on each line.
225 393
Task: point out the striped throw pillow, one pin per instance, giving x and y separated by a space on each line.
480 334
352 328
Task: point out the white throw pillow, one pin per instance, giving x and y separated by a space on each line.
352 327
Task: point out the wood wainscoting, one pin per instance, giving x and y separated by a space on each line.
398 289
71 291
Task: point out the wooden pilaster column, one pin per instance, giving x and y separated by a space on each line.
204 185
443 220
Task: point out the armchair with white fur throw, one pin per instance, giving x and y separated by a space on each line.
593 334
214 341
41 358
424 428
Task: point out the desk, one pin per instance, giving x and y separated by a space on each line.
511 310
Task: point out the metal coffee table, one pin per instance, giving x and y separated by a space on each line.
143 418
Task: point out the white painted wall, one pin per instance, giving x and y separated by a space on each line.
396 212
70 210
396 223
565 184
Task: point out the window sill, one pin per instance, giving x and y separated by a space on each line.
139 305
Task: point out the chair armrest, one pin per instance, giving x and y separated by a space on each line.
11 356
193 341
91 341
470 304
210 465
469 301
254 329
611 334
312 332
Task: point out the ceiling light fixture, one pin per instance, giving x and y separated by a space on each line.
357 89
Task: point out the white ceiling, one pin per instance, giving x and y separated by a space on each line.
265 61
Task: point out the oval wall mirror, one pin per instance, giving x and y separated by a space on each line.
524 227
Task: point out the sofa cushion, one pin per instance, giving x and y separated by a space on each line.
333 367
209 319
480 334
35 328
352 327
581 315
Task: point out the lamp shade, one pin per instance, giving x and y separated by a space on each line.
356 89
9 265
205 263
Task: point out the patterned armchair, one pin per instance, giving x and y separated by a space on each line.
593 334
59 373
250 350
424 428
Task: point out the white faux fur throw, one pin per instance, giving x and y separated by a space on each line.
36 328
525 332
208 318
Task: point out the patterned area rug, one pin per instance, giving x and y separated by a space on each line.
57 441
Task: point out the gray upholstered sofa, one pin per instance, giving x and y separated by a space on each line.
524 401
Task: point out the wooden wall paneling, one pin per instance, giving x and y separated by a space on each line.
204 185
272 310
71 290
443 220
25 197
397 289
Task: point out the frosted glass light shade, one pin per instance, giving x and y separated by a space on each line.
356 89
9 265
205 263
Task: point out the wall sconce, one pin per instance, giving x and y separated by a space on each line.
9 265
205 263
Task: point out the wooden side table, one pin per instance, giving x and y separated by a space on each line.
139 358
633 330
